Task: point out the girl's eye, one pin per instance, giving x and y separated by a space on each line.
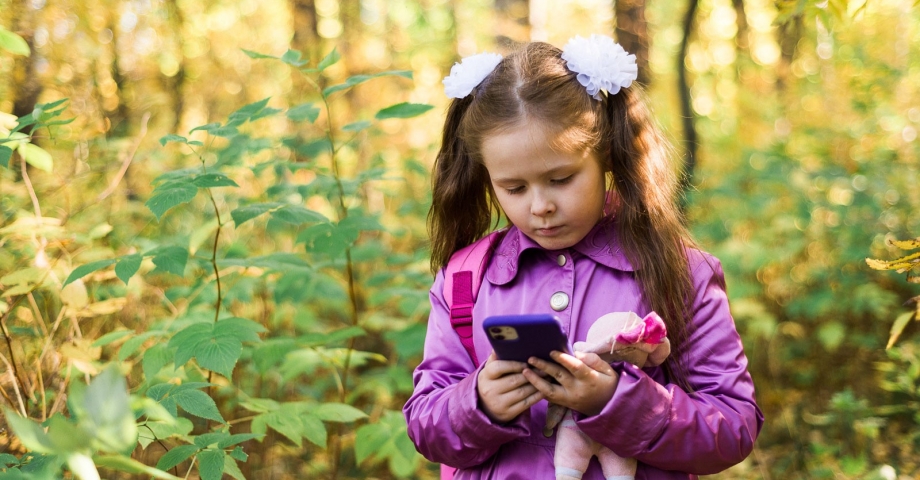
514 191
562 181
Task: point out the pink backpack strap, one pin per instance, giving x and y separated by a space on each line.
462 278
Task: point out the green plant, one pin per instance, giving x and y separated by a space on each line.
250 335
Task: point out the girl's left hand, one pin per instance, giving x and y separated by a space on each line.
586 382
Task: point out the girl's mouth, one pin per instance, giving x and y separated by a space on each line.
549 231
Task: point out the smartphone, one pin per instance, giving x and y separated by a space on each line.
519 337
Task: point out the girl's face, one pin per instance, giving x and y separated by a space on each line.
554 197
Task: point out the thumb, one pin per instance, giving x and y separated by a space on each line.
596 362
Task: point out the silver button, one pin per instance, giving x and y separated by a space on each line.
560 260
559 301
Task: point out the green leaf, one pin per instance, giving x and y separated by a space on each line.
197 403
403 110
36 156
211 464
338 412
217 347
245 213
155 358
6 460
280 261
304 111
66 437
86 269
357 126
169 195
292 57
172 138
242 329
256 55
330 338
208 127
6 153
130 465
112 337
170 259
239 454
898 327
213 180
186 341
109 412
330 59
219 353
208 439
127 266
13 43
294 422
297 215
151 431
231 468
359 79
247 112
370 439
232 440
176 456
312 429
134 343
30 434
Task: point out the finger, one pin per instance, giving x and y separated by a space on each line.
529 396
549 390
511 383
574 366
499 368
595 362
550 369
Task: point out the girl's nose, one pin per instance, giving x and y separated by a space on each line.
541 205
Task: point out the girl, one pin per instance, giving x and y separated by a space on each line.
562 145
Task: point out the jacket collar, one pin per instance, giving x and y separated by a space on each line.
600 244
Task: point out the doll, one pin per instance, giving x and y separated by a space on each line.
619 336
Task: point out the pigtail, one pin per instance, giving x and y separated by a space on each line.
649 224
460 205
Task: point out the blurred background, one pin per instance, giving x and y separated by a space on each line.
796 120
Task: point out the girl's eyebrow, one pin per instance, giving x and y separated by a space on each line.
548 173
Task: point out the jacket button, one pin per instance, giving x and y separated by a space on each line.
559 301
561 260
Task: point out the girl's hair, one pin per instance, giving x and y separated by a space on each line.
533 87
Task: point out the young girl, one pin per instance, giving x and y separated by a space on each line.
562 144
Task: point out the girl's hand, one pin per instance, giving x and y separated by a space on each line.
586 383
504 393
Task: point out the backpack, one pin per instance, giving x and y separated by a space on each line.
462 278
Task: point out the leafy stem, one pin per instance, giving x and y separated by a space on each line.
349 272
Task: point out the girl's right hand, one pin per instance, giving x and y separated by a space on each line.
504 393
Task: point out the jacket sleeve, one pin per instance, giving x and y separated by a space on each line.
444 419
665 427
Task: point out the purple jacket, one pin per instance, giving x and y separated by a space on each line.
671 433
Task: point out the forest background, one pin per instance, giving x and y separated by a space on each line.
213 255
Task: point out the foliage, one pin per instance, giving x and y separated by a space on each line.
214 363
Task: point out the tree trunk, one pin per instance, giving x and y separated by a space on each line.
26 86
306 39
513 23
741 39
686 108
788 35
632 33
176 83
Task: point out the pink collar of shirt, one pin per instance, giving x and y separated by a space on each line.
600 244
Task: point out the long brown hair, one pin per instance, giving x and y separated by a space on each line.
532 85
